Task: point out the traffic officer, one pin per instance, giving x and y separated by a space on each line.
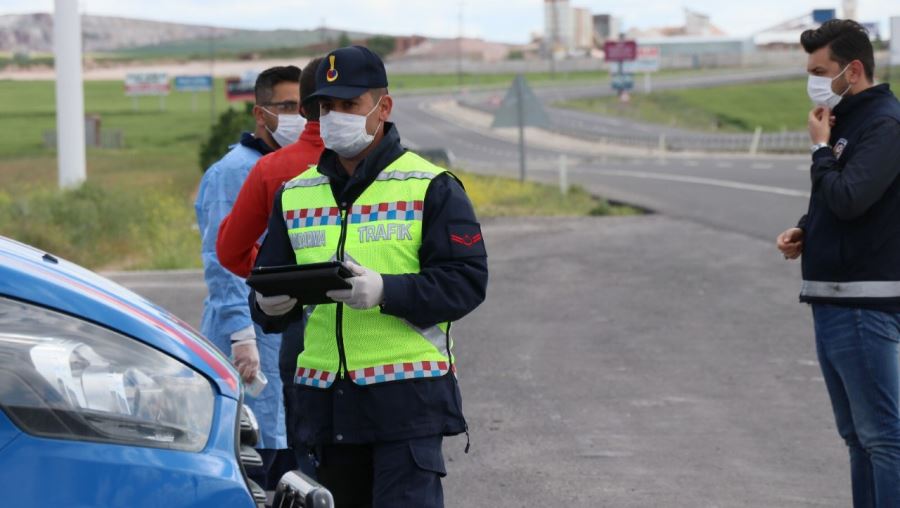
226 318
376 388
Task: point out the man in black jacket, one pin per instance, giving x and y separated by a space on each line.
850 243
377 427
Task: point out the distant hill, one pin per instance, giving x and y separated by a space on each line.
33 33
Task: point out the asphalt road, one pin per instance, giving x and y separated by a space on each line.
758 196
628 362
586 124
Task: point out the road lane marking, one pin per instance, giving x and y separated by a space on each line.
761 165
724 164
727 184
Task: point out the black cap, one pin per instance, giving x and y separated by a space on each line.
347 73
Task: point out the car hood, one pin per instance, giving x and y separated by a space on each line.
30 275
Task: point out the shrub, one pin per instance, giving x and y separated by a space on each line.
100 228
225 133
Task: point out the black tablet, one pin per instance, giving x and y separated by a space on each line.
306 283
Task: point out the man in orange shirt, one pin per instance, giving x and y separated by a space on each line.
240 230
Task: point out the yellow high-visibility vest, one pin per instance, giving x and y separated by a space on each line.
381 231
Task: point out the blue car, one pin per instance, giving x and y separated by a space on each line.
108 400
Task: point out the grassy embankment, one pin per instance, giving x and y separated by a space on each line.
774 106
136 210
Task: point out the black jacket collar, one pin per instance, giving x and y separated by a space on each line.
254 143
855 102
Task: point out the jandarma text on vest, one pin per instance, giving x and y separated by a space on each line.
306 239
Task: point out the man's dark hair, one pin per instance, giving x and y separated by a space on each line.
308 87
267 79
378 93
846 39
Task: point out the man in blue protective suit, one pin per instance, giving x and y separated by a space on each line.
226 317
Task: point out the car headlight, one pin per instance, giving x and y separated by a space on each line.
66 378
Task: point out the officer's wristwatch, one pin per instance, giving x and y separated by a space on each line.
815 148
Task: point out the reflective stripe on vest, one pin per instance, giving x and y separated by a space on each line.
861 289
383 232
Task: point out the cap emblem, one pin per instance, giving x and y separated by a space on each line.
332 73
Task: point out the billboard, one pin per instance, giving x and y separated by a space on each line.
647 61
620 51
146 83
238 89
203 83
822 15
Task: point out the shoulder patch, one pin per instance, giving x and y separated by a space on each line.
466 240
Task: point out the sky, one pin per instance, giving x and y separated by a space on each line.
498 20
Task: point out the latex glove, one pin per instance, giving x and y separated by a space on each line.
246 358
244 353
277 305
367 290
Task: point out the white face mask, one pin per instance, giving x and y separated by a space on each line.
289 128
345 133
819 90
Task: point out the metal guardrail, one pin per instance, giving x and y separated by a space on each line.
767 142
782 142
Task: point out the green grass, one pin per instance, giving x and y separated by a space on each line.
404 82
29 108
136 211
502 197
774 106
150 182
425 81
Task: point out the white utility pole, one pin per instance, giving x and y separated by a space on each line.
70 151
850 9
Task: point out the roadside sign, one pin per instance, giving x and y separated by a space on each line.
647 61
238 89
822 15
620 51
202 83
622 82
529 113
520 108
149 83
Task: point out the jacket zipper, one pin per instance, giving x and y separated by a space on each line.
339 321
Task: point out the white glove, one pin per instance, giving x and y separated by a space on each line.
244 353
367 290
246 358
277 305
